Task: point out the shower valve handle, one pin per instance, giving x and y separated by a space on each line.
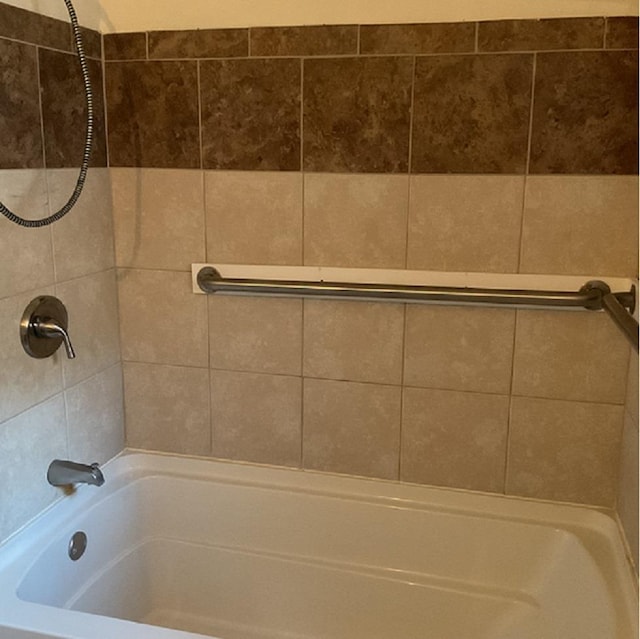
44 327
51 329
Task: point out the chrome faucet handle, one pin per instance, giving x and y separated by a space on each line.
44 327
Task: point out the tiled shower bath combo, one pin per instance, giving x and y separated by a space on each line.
497 147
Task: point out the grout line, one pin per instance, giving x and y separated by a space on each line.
525 183
104 108
41 46
506 450
146 44
402 388
410 161
604 32
411 113
407 223
531 111
338 56
66 412
477 38
527 164
47 182
249 42
209 378
208 258
359 40
302 213
302 383
40 109
198 87
301 114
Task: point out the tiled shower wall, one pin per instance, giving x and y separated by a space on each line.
53 407
498 147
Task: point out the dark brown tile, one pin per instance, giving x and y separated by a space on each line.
457 37
205 43
585 117
315 40
536 35
251 114
125 46
622 33
471 114
34 28
153 114
91 41
64 110
20 129
357 114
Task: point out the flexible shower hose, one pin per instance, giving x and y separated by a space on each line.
87 145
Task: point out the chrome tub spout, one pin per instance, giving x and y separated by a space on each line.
63 473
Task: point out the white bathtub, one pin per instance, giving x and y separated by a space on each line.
238 551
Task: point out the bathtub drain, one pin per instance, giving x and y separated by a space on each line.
77 545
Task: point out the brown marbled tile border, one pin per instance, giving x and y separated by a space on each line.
365 97
541 35
366 129
454 37
200 43
92 42
153 114
622 33
304 41
493 36
471 113
585 113
64 110
20 122
125 46
20 24
250 114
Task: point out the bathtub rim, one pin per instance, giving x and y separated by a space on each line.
596 528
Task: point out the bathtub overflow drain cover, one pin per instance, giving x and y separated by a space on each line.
77 545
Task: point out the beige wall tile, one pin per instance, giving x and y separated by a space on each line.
631 401
467 349
92 305
83 239
355 220
161 320
454 439
356 341
255 334
95 415
351 428
167 408
465 222
158 218
256 417
28 444
581 225
628 486
569 355
26 255
24 381
254 217
565 451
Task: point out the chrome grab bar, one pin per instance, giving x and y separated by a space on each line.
593 296
617 311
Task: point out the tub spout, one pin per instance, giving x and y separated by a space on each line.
63 473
